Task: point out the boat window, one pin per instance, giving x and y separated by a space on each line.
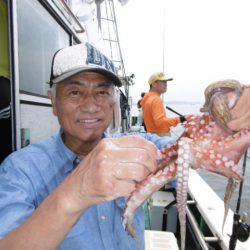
39 37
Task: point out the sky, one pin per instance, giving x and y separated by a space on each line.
204 41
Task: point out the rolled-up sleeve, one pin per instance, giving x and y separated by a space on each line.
160 142
161 121
16 198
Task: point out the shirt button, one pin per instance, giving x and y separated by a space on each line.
103 217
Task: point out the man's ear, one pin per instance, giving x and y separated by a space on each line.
53 102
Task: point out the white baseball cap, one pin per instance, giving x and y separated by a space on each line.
81 58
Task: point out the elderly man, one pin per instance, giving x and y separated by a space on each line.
154 113
69 191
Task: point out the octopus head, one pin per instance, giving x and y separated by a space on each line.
220 98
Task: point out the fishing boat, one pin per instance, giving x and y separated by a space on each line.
38 28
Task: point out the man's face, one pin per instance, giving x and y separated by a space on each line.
161 86
84 106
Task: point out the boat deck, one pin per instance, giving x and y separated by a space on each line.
211 208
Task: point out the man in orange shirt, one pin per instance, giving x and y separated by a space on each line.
154 113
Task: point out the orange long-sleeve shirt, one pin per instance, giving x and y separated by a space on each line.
154 114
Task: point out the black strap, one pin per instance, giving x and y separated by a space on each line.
236 222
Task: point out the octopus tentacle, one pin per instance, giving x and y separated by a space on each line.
231 186
168 154
222 157
151 184
182 184
167 172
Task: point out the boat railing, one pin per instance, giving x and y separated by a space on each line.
201 239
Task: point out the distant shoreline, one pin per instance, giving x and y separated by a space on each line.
177 103
183 107
183 103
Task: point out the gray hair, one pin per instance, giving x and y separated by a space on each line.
53 90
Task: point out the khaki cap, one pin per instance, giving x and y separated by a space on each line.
159 76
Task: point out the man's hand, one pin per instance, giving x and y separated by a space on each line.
110 171
241 112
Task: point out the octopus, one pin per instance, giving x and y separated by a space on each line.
207 143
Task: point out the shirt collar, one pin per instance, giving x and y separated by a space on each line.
69 156
121 202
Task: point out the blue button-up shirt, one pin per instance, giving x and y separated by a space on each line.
29 175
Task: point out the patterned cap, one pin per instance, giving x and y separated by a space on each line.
81 58
159 76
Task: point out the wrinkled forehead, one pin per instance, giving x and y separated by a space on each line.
87 85
88 80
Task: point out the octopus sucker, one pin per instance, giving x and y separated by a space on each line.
206 143
182 186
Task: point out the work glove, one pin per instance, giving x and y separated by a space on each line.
182 119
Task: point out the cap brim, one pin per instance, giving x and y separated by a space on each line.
165 79
114 78
170 79
161 79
